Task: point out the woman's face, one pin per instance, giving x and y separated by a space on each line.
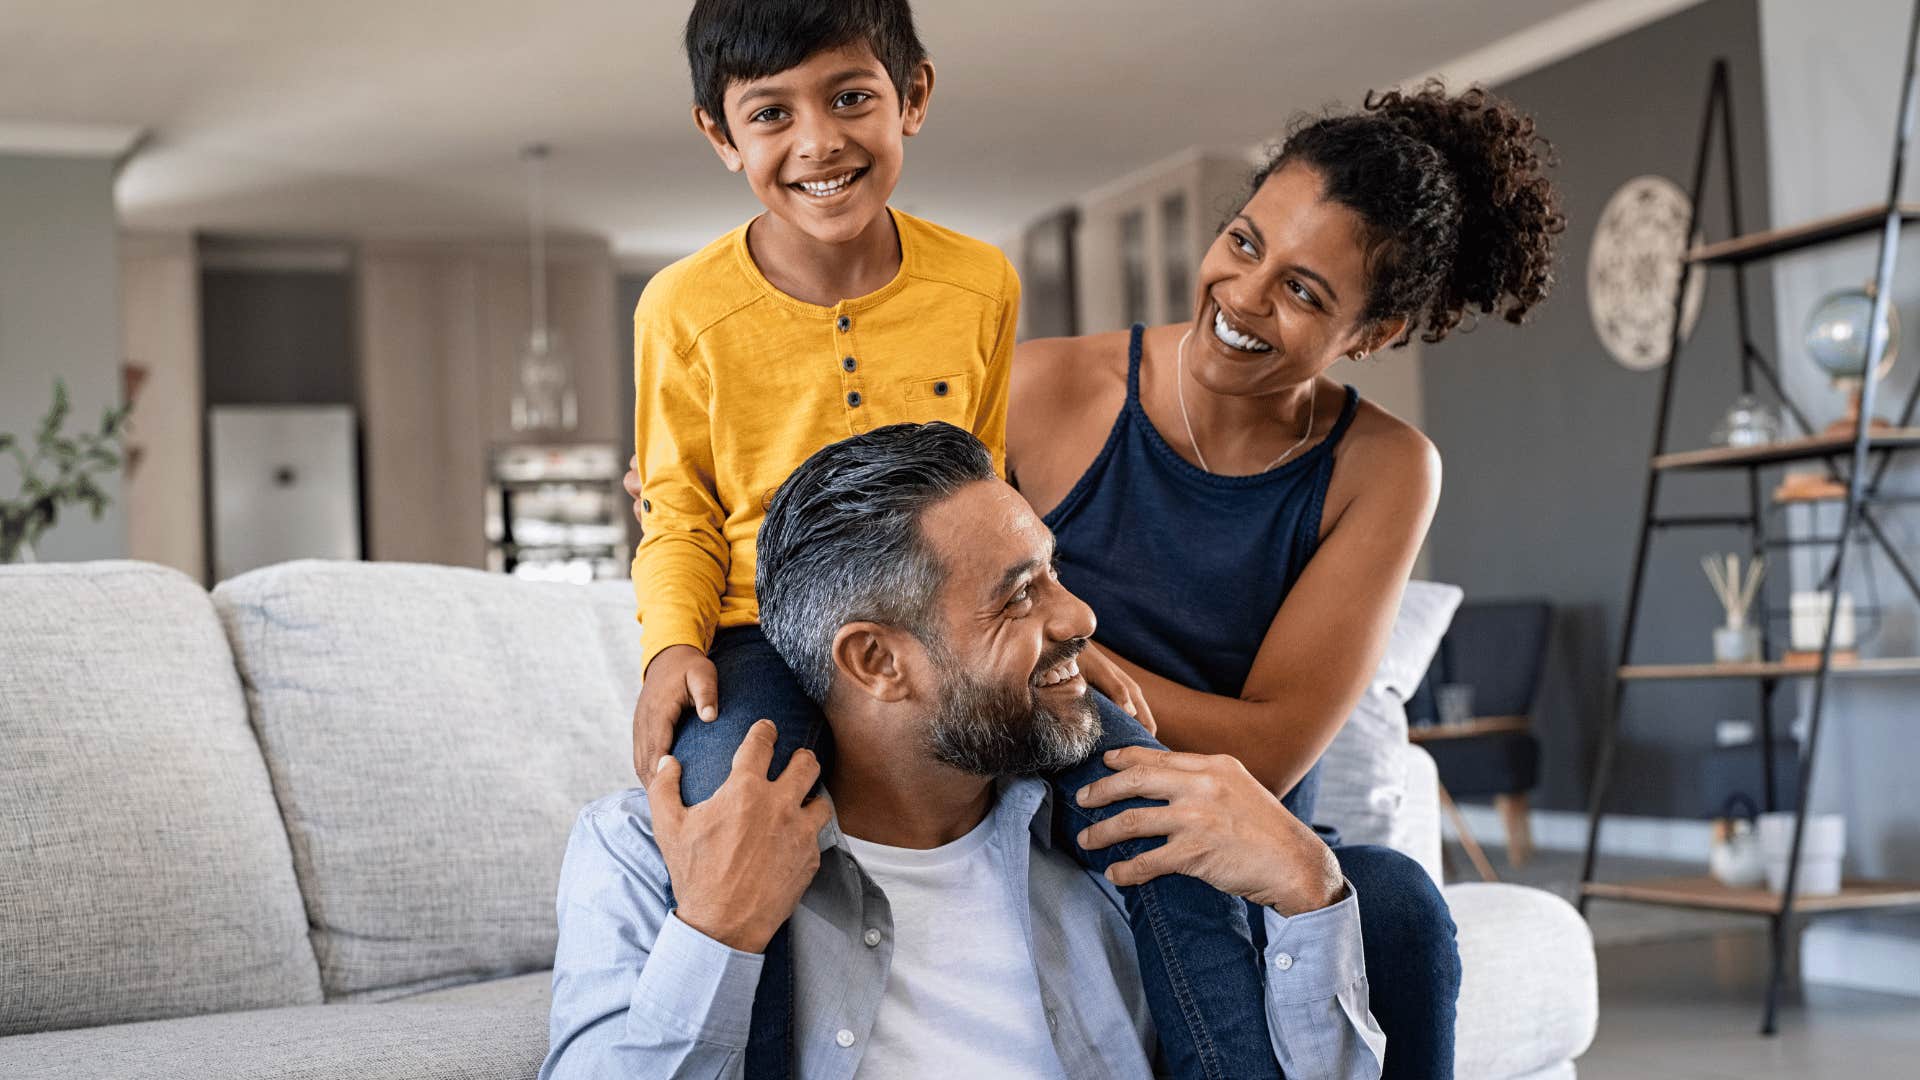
1281 290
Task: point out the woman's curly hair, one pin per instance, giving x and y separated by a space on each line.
1458 210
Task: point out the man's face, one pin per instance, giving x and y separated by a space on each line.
1008 695
820 143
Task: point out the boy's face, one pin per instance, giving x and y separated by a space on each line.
821 143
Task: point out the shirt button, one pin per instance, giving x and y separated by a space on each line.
849 363
1053 1022
646 505
853 399
845 1038
845 324
872 938
1283 961
940 389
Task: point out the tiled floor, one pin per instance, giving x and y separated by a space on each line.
1686 1005
1690 1010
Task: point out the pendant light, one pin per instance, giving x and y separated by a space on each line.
543 398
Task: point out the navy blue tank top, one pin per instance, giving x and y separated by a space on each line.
1185 569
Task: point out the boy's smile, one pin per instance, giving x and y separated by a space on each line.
821 143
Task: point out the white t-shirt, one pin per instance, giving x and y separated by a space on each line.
962 997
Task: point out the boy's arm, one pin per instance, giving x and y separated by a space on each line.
680 568
990 415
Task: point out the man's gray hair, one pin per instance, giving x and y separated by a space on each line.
841 542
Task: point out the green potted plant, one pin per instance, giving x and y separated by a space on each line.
61 470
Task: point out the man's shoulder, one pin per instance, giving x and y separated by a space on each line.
620 824
941 254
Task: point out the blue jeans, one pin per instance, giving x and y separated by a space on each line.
1198 966
1413 961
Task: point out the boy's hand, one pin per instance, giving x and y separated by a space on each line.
631 482
679 676
1112 680
1222 826
740 861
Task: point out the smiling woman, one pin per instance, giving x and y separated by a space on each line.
1243 526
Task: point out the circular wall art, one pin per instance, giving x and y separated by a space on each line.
1634 267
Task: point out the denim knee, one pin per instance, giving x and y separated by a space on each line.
1402 911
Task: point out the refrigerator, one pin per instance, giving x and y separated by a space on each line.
284 483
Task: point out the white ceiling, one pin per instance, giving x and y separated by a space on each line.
404 116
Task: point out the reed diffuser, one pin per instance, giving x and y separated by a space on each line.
1738 642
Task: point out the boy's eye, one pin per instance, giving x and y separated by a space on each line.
767 115
1245 245
849 98
1304 293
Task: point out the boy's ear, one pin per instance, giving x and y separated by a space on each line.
870 656
718 137
913 111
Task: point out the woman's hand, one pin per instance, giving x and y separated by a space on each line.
631 482
1107 677
679 676
1221 826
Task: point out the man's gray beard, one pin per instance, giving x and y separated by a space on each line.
1006 731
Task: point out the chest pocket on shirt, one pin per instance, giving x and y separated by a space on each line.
943 397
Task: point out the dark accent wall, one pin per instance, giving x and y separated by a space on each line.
278 337
1545 438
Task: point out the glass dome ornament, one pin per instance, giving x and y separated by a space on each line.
1837 341
543 396
1749 422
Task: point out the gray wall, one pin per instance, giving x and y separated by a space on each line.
59 316
1832 90
1545 438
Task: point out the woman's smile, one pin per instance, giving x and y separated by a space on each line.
1234 336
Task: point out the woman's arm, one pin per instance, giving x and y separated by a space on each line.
1326 641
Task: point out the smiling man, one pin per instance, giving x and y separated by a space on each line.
937 928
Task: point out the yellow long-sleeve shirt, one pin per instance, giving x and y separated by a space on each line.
738 383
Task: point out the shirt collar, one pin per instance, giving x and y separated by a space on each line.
1018 800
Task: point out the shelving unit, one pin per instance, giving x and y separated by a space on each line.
1856 461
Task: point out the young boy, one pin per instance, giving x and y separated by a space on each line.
828 315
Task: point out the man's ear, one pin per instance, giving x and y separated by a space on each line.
869 655
717 136
913 110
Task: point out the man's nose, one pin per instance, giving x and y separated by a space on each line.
1070 618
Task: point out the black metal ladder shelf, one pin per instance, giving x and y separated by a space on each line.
1847 460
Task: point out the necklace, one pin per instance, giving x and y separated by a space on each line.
1180 389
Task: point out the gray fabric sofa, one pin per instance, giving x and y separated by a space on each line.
309 825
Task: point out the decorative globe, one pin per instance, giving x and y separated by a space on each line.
1837 334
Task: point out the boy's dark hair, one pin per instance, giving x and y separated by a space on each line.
841 541
736 40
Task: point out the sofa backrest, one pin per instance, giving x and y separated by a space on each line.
432 733
144 872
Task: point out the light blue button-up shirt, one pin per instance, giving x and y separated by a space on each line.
638 993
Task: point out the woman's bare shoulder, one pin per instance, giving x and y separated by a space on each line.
1064 364
1385 445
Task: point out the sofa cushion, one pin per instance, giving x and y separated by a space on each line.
533 991
1529 1000
144 872
431 733
318 1042
1363 778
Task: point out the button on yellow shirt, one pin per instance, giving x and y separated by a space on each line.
738 383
